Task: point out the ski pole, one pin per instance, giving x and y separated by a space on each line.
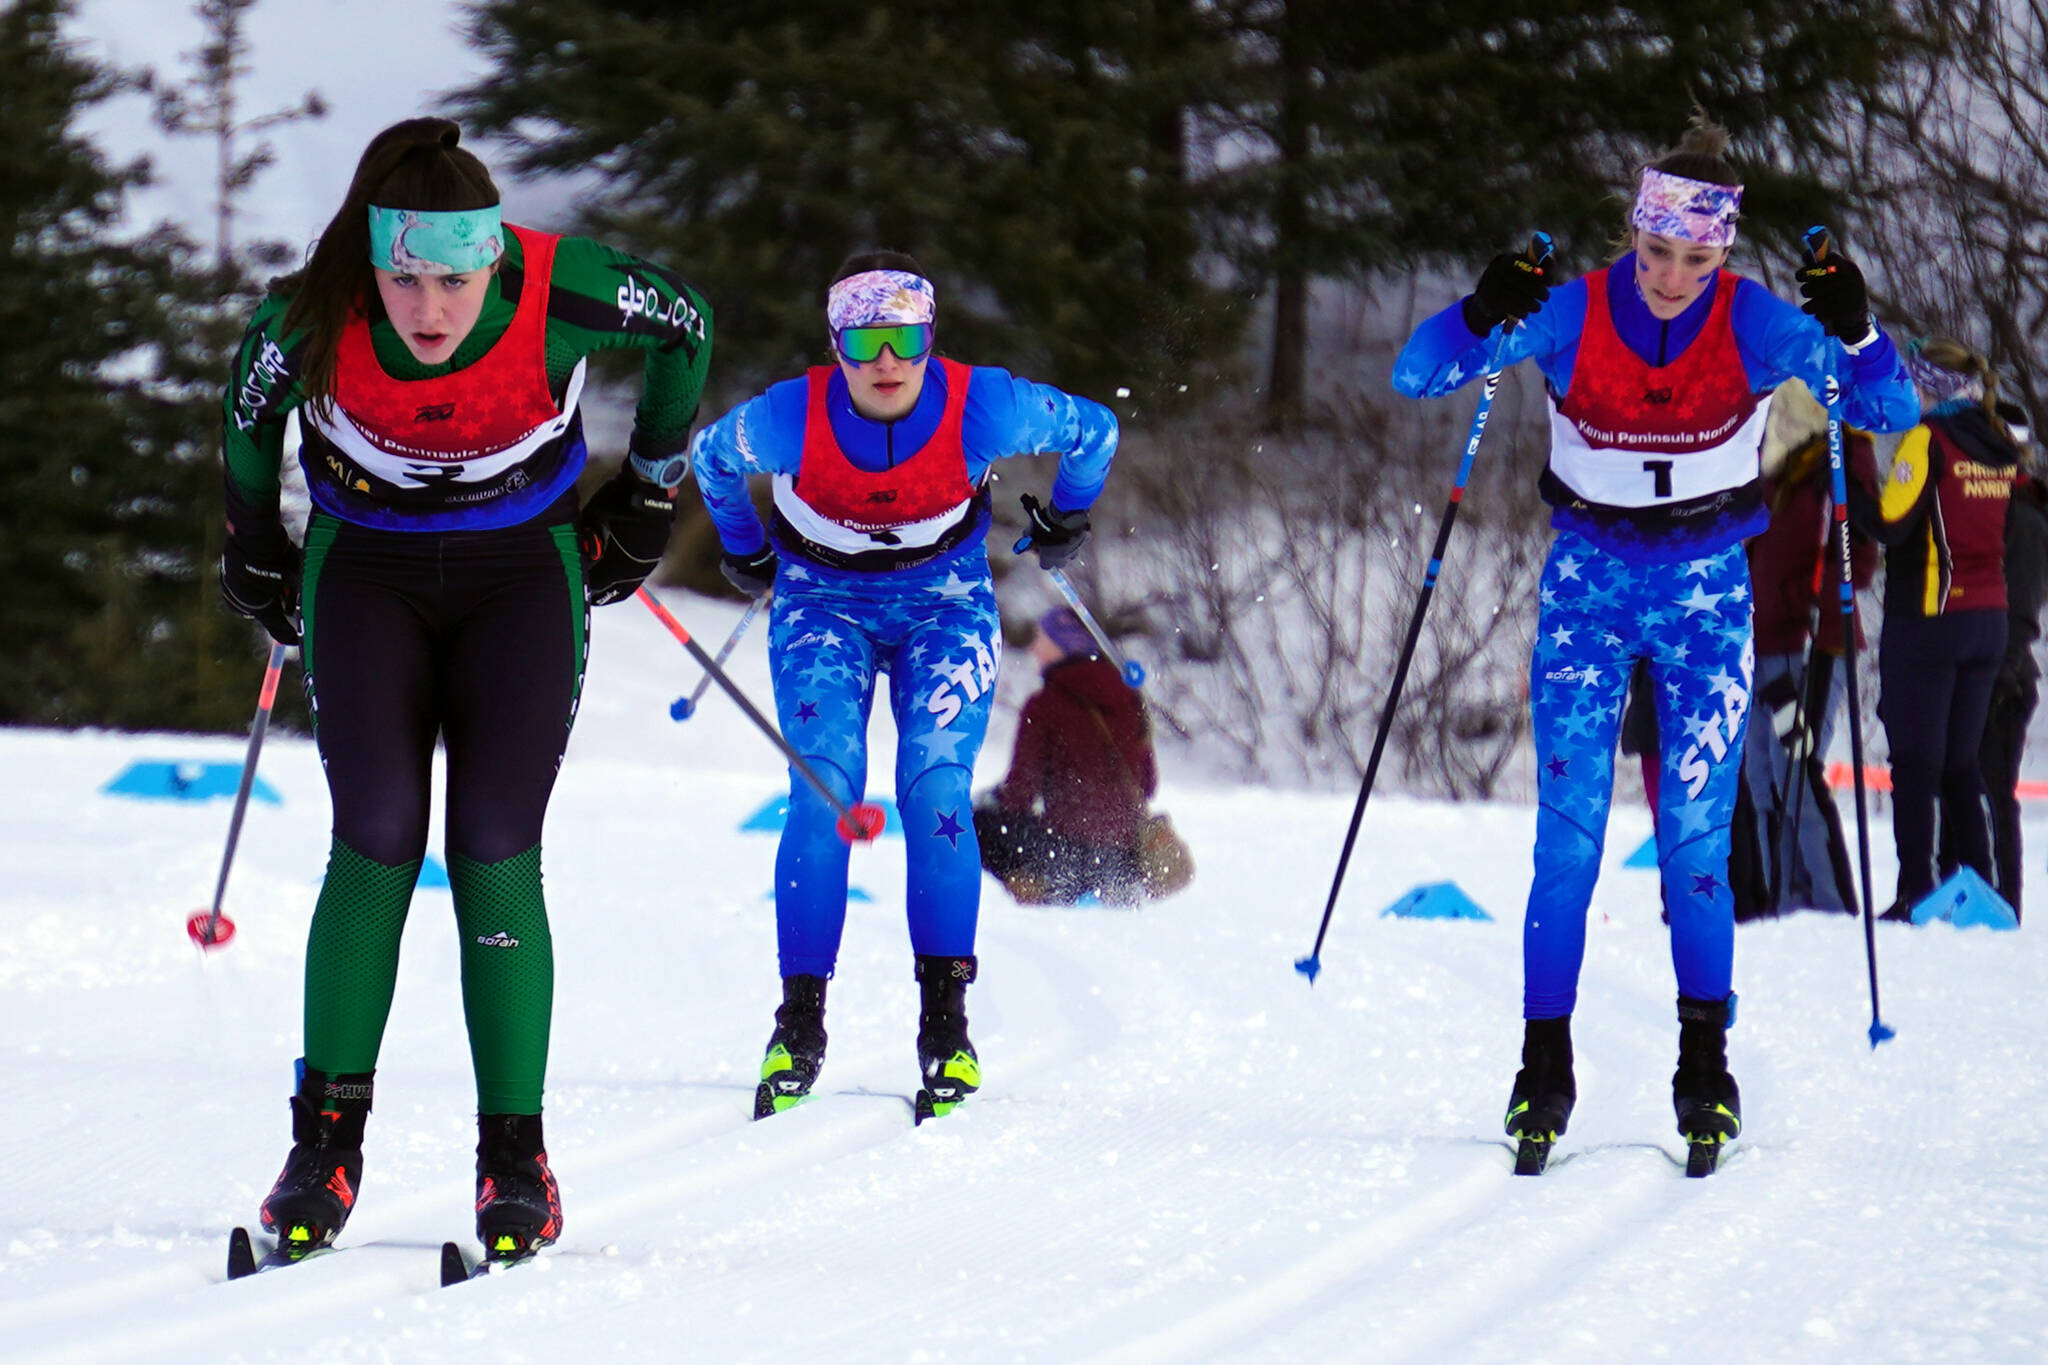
682 708
1818 243
858 823
1540 248
1133 671
211 929
1786 847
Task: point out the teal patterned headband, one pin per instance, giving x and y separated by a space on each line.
414 242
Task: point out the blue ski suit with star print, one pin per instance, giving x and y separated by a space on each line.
1653 483
880 529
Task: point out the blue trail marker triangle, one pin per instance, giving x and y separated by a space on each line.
158 780
1436 900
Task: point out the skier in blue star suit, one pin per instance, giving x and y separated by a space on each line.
878 565
1656 369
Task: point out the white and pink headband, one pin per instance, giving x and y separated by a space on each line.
1690 210
880 298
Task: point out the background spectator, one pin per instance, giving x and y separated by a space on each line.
1066 820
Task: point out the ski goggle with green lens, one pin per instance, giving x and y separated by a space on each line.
909 340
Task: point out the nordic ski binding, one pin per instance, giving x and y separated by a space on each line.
296 1243
504 1251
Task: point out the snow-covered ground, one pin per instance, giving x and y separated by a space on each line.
1182 1152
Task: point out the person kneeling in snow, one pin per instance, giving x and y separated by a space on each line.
1066 820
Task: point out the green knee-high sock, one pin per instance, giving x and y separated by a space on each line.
508 977
352 958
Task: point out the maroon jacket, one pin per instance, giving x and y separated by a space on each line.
1090 791
1791 565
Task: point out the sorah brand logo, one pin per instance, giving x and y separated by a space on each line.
1587 675
435 412
501 939
973 677
638 300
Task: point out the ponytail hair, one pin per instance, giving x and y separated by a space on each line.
1701 154
416 164
1949 354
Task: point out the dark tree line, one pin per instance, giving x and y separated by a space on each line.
1111 190
1136 199
105 448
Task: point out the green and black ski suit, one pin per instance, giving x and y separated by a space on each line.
442 598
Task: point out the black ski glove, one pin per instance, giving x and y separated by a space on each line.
1511 287
259 573
752 574
624 531
1057 536
1835 294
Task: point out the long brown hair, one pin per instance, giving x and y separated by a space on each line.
416 164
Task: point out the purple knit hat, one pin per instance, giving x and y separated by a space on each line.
1062 626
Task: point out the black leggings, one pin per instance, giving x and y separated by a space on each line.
476 638
1937 673
472 637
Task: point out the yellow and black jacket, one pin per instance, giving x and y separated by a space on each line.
1941 515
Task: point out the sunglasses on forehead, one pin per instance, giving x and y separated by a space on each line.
909 340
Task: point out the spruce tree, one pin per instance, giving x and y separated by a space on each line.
99 451
1033 158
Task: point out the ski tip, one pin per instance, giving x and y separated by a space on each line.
1532 1155
1309 967
1880 1033
241 1255
680 709
454 1267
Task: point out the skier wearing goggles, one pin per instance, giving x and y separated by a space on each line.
878 564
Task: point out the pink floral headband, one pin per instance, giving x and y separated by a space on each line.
1690 210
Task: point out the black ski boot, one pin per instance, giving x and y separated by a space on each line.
518 1208
944 1055
1541 1103
796 1049
1704 1094
317 1188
